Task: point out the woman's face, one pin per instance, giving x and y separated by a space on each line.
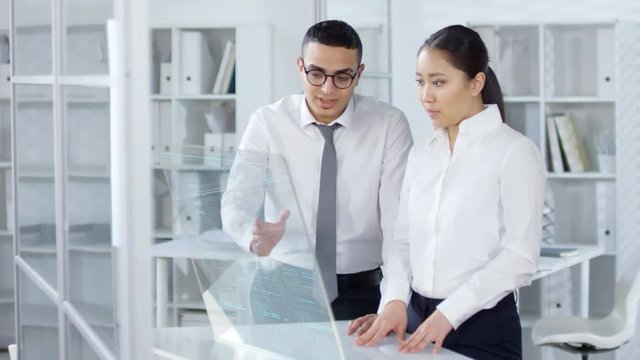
444 91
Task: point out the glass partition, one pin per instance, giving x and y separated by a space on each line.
272 306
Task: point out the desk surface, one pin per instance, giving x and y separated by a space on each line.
198 343
550 265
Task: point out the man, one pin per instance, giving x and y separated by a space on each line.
345 157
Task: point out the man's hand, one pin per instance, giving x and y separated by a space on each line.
393 318
266 235
434 329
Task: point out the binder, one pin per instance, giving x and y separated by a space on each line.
165 78
225 70
5 80
606 51
196 64
571 143
554 145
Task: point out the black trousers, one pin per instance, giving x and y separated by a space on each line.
489 334
288 294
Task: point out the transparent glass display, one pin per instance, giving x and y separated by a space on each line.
88 210
85 37
38 322
272 305
33 47
35 179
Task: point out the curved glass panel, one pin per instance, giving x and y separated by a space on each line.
273 306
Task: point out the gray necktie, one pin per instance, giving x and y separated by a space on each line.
326 218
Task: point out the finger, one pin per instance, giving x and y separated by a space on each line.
436 347
380 334
400 331
415 338
356 324
367 335
284 215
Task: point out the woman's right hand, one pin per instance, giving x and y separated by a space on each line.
393 318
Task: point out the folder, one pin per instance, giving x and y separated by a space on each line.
225 70
554 145
165 78
196 64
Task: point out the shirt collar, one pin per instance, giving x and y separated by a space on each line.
475 128
345 119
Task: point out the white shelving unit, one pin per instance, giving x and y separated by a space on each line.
582 70
7 334
189 151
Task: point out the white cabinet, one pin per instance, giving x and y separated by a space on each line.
223 75
582 72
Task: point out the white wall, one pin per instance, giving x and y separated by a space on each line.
414 20
4 14
289 20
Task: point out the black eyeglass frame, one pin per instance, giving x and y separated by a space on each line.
326 76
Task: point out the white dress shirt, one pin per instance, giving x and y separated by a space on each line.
469 222
372 145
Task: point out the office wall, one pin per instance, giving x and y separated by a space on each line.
413 20
4 14
289 20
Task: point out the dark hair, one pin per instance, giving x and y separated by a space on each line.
333 33
466 51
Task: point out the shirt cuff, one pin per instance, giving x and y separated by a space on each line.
396 290
459 306
245 240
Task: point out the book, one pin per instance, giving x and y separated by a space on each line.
225 70
558 252
571 143
555 155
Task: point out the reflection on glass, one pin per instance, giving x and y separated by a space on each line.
38 322
275 305
35 179
77 347
89 210
7 315
33 41
85 40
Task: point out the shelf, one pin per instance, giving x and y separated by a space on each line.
88 246
5 165
192 305
5 232
583 176
191 167
578 99
88 174
37 248
222 97
163 233
161 97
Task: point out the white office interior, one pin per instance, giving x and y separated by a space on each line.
111 166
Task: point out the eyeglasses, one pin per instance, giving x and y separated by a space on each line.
317 77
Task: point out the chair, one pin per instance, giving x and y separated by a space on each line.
584 336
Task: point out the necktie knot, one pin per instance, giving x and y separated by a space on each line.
327 131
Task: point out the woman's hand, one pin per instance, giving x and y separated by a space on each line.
434 329
361 324
393 318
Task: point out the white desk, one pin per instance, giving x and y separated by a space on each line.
550 265
217 245
198 343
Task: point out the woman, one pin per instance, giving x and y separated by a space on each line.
469 225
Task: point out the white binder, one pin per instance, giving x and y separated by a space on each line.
5 80
196 64
165 79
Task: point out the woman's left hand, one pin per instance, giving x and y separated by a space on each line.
434 329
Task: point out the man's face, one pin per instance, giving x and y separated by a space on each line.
327 102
